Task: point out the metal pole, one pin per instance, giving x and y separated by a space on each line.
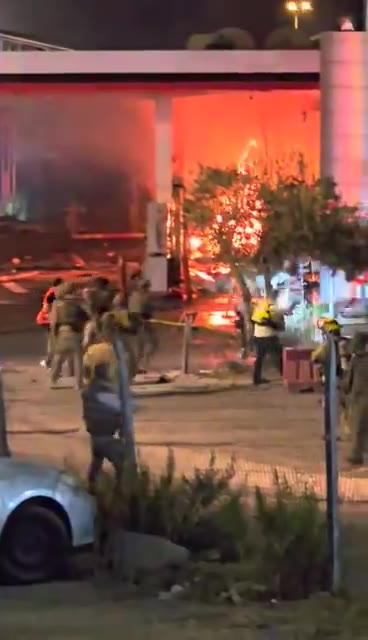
330 423
122 274
331 294
296 21
4 445
365 15
187 336
126 402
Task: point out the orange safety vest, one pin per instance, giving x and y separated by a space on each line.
42 318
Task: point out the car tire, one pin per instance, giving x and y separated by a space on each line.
34 546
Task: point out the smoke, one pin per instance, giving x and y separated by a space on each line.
93 149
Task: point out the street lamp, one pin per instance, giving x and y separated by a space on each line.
298 8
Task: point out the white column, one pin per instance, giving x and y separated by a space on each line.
344 113
7 157
163 147
156 261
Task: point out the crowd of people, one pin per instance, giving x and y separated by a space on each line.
75 318
82 327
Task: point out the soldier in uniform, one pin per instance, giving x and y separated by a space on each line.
356 387
67 320
319 356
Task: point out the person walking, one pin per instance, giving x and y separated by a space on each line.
103 421
67 321
102 411
43 320
268 323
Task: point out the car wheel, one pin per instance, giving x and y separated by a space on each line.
34 545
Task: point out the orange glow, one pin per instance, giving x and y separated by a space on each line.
195 243
221 318
201 274
242 229
214 129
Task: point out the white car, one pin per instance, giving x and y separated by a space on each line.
44 514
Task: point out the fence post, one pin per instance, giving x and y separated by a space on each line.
4 445
187 339
330 423
122 274
126 402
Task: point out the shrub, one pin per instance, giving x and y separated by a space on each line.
292 542
277 549
203 512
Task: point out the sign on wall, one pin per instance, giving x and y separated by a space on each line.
157 228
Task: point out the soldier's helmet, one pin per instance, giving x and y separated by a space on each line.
329 325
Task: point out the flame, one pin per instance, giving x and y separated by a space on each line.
244 236
221 318
195 242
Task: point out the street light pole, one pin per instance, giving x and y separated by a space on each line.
298 8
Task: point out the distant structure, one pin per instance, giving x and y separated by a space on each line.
8 178
13 42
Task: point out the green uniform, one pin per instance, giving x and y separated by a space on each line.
67 321
357 386
320 356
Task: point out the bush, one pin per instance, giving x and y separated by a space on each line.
276 549
203 512
292 542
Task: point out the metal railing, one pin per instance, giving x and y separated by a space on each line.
17 43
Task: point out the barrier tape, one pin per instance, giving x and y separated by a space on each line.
170 323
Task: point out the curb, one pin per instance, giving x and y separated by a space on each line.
171 389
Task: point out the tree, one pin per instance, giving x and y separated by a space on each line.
307 217
227 38
224 207
289 38
263 218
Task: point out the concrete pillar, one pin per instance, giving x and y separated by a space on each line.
156 261
344 113
7 157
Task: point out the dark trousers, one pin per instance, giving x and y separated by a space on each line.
263 347
105 448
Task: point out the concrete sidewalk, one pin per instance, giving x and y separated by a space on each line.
266 429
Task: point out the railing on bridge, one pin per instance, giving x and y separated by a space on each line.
16 43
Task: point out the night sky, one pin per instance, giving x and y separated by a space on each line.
154 24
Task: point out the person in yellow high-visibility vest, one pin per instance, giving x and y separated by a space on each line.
268 323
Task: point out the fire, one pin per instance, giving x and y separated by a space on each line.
195 243
244 234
